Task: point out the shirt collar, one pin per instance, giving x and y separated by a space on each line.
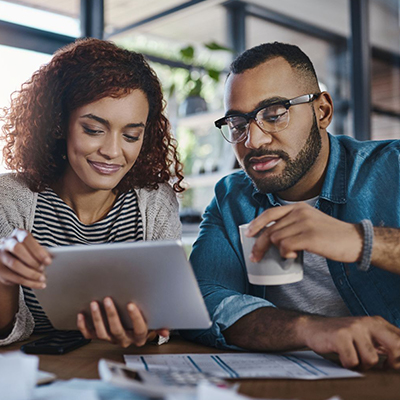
260 197
334 188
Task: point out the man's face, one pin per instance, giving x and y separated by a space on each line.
278 161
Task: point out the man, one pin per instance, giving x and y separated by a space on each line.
332 197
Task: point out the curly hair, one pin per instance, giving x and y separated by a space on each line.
36 123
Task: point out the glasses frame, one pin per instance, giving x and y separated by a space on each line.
303 99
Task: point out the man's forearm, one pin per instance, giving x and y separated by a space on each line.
386 249
8 308
267 329
357 340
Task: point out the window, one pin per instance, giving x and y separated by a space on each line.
385 71
17 66
56 16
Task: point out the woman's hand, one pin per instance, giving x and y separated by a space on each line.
23 260
116 333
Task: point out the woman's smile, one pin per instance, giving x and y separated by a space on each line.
104 168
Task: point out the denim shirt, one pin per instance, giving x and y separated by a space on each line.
362 182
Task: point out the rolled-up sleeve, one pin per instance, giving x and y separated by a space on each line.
222 278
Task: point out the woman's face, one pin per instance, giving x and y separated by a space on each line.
104 140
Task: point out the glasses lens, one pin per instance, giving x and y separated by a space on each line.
235 129
273 118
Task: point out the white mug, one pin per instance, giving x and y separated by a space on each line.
272 269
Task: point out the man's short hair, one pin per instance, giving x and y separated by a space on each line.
257 55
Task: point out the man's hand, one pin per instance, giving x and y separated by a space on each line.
357 340
302 227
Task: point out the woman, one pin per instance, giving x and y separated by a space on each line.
94 158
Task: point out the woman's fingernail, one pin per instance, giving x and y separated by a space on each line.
108 302
131 307
94 306
47 260
43 286
42 278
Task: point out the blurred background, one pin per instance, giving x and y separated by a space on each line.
354 45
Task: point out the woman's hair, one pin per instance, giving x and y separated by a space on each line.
36 124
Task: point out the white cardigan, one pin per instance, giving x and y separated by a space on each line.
159 211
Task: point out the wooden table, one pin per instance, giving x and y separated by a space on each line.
82 363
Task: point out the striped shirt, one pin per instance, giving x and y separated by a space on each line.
56 224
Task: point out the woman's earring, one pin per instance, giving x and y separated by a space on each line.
64 156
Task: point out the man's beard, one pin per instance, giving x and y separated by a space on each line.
294 170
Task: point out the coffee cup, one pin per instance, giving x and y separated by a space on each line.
272 269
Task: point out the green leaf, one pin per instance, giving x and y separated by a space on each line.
214 74
216 46
187 52
196 90
171 90
189 78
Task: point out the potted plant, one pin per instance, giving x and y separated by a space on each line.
194 83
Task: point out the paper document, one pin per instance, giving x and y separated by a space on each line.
294 365
44 377
208 392
18 372
83 389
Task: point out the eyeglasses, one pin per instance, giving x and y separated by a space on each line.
270 119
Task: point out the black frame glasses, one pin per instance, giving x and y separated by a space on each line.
225 124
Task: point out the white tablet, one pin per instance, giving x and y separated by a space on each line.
155 275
